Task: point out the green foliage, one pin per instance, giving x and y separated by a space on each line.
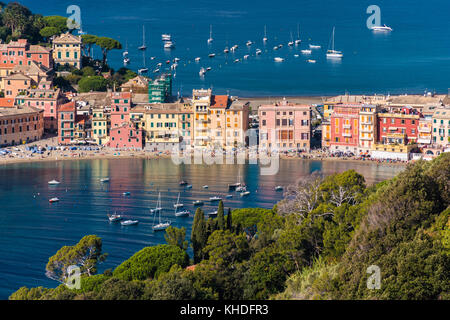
198 235
92 83
150 262
57 22
248 217
176 237
220 217
226 248
88 71
48 32
86 254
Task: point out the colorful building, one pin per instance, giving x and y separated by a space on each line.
160 89
100 125
138 84
20 52
344 127
285 126
67 50
401 128
66 123
47 98
441 126
16 84
392 151
424 131
126 136
20 125
367 127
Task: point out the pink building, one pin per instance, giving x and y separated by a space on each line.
285 126
344 125
126 136
66 123
120 108
16 84
45 97
20 52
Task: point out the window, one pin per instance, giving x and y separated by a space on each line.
264 122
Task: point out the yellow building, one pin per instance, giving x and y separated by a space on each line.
100 126
367 127
165 125
218 120
67 50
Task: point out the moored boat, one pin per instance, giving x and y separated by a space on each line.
53 200
129 222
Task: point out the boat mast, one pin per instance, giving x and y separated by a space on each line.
332 45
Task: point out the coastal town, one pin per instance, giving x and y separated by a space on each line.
144 116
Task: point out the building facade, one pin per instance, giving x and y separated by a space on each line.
20 52
344 126
367 127
401 128
285 126
441 126
20 125
66 123
67 50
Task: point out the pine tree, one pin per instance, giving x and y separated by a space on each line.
229 221
198 235
220 217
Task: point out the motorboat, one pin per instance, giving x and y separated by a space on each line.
212 214
127 193
169 45
129 222
306 51
189 186
183 183
53 182
114 217
383 28
311 61
229 196
184 213
236 60
313 46
53 200
198 203
245 193
226 50
197 59
143 70
202 72
249 43
278 59
104 180
278 188
275 48
258 51
215 198
166 37
208 69
211 55
296 55
205 187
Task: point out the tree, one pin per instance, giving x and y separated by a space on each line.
57 22
93 83
150 262
86 254
225 248
88 71
220 217
198 235
88 40
229 220
48 32
16 17
107 44
176 237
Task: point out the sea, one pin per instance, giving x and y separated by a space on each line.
413 58
32 229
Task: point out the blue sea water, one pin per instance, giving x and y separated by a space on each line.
413 58
32 229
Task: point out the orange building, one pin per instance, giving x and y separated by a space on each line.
20 125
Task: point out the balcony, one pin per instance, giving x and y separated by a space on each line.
366 138
367 130
424 129
347 126
367 122
346 134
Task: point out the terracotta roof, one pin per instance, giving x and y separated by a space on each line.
121 95
6 102
38 49
191 268
219 101
67 38
70 106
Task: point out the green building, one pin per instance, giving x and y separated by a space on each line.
160 89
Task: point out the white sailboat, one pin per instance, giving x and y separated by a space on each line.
143 47
332 53
158 207
291 43
298 40
184 213
265 34
129 222
178 204
210 39
53 182
161 226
